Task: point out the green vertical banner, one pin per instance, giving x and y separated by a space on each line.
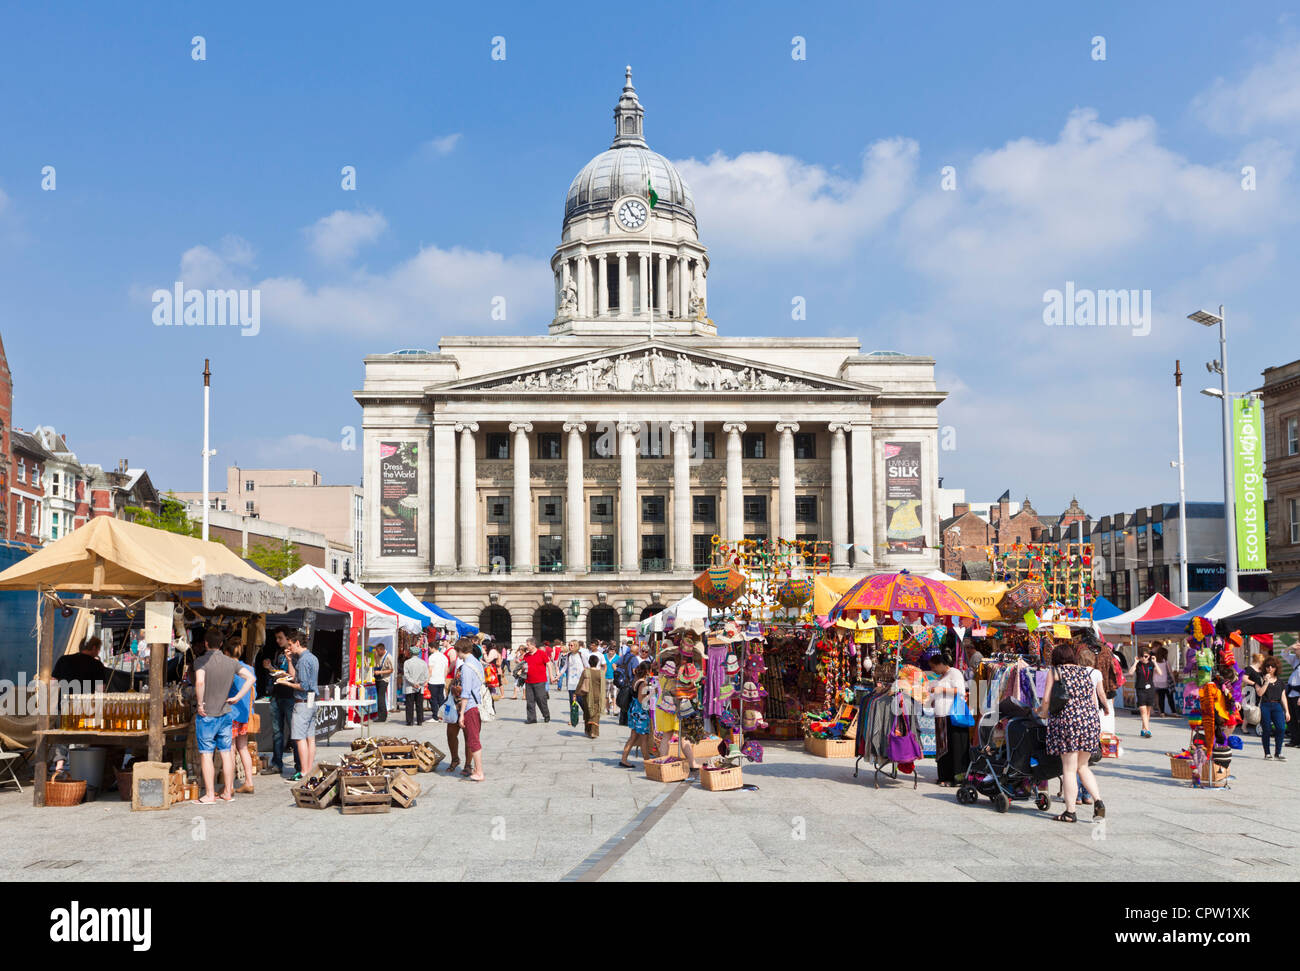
1248 463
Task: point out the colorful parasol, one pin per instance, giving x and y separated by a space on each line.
719 586
794 593
1025 596
903 593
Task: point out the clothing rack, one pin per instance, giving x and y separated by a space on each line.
875 720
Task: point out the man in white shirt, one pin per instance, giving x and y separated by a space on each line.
1292 657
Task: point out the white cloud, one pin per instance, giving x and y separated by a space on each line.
434 292
769 205
1267 96
4 200
336 238
1032 211
443 144
224 266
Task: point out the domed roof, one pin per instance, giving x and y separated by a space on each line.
623 169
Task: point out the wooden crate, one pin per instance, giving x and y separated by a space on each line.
829 748
320 797
665 770
428 757
405 790
398 757
363 794
720 780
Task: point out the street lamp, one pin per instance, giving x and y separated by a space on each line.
1208 319
1182 493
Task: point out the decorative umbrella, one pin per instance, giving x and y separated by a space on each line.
719 586
1019 600
903 593
794 593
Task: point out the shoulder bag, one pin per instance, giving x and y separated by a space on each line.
904 746
1060 694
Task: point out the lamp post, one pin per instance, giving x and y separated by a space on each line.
1182 494
207 452
1208 319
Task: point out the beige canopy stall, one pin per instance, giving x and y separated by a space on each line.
110 558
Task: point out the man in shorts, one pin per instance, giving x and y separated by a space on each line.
469 690
214 676
303 730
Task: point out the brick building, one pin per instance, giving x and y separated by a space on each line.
6 448
1281 397
967 533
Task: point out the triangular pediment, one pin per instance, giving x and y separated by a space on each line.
653 366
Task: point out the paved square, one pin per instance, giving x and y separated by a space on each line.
556 805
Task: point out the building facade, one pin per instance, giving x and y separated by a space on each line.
1281 398
297 499
26 488
565 485
1136 555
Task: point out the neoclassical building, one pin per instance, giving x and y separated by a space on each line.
566 485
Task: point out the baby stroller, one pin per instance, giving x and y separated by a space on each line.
1013 770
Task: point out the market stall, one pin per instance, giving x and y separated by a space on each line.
110 564
1281 614
372 622
463 628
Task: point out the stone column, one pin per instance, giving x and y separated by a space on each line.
785 472
643 283
839 496
602 285
624 290
444 496
584 287
521 519
681 494
679 265
860 493
735 487
469 531
661 301
575 513
629 514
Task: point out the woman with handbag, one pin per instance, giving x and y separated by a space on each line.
1070 704
952 721
1251 680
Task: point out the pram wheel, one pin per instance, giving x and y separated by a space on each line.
1043 802
967 795
1001 803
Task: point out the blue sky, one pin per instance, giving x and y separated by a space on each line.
817 178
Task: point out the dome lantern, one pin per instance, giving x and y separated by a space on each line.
629 117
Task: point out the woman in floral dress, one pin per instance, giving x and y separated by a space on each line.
1074 732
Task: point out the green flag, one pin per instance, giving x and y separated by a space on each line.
650 190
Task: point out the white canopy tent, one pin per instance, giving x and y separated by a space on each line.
441 623
681 612
408 624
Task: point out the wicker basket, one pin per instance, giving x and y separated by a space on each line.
665 770
719 780
1182 769
64 793
829 748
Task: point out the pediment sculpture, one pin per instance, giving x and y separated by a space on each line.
651 370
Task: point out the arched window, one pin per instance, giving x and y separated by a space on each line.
548 623
495 620
602 624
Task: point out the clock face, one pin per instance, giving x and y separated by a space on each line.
632 214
